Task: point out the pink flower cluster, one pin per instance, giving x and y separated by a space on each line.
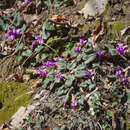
11 34
40 41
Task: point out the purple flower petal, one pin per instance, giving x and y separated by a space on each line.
100 53
37 37
56 58
34 43
11 37
59 76
65 102
49 64
27 1
82 41
5 36
123 79
120 50
43 72
77 48
17 31
74 104
87 73
41 42
118 73
96 6
10 32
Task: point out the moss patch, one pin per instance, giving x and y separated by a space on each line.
12 96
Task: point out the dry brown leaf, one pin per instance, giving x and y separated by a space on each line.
58 18
73 98
36 84
48 128
99 31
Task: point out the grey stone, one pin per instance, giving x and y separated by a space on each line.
90 9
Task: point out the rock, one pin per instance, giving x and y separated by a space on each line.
21 114
18 117
93 7
37 96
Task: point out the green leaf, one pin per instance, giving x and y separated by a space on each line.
48 26
39 48
91 58
81 67
61 64
60 92
79 74
52 86
47 3
128 98
45 82
18 19
81 100
44 34
27 53
79 58
110 113
57 80
43 56
114 104
68 2
111 49
69 80
71 66
4 53
73 53
18 47
95 64
91 86
20 58
84 56
84 84
58 4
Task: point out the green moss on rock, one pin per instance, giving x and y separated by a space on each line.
12 96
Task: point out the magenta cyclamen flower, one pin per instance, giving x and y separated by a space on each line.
49 64
44 64
120 50
123 79
37 37
11 37
41 72
65 102
17 31
87 73
27 1
118 73
100 53
14 31
41 42
74 104
10 32
5 36
77 48
59 76
56 58
96 6
82 41
34 43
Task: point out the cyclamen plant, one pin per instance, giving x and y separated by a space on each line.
65 72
